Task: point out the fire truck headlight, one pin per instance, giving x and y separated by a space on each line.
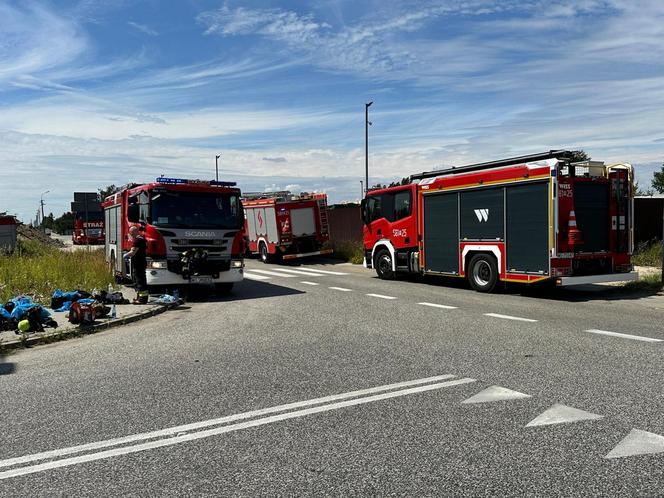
157 264
237 263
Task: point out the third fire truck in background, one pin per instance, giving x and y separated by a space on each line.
193 230
88 228
525 219
283 225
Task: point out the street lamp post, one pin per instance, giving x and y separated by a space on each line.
216 166
367 123
41 203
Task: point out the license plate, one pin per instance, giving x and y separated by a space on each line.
201 280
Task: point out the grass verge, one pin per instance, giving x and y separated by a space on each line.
348 250
649 283
37 269
648 254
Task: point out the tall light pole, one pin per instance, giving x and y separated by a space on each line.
41 203
216 166
367 123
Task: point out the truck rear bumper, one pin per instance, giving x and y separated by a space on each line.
165 277
305 254
597 279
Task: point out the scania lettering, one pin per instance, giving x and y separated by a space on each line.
193 229
281 225
526 219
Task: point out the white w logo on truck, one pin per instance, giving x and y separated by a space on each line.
482 215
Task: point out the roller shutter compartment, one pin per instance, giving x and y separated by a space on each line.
528 228
441 233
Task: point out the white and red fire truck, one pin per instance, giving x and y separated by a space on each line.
283 225
193 230
525 219
88 228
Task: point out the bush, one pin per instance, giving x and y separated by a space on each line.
37 270
648 254
348 250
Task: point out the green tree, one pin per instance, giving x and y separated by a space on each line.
64 222
658 180
108 190
580 156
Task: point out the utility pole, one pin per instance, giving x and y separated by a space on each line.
216 166
367 123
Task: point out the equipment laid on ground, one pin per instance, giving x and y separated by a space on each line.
525 219
179 218
282 225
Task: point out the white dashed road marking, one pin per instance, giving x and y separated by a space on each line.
495 393
441 306
309 283
508 317
380 296
638 442
299 272
342 289
624 336
561 414
253 276
327 272
272 273
176 435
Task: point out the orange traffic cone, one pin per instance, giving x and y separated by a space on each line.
573 233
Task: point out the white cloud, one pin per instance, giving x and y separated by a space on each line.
143 28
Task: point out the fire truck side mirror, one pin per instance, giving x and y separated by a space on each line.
365 214
133 213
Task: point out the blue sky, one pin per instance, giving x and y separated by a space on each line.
95 92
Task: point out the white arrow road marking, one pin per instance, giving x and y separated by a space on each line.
623 336
508 317
207 423
298 272
309 283
380 296
638 443
561 414
441 306
495 393
177 439
342 289
272 273
253 276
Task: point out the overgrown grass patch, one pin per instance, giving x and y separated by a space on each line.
648 254
348 250
651 283
36 269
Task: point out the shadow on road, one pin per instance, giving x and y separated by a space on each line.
247 289
6 368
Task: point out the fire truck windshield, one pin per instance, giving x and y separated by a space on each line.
195 210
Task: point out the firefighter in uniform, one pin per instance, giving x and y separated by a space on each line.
139 264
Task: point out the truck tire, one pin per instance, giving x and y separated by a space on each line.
263 254
482 273
383 265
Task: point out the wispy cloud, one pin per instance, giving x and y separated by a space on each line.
143 28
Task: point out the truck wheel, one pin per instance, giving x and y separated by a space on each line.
482 273
263 254
223 289
383 265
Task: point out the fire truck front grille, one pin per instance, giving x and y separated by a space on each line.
198 242
205 268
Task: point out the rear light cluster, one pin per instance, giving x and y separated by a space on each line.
561 272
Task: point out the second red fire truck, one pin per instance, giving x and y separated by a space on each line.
193 230
88 228
281 225
525 219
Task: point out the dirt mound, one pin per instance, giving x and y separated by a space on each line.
25 232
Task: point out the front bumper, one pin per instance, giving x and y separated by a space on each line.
597 279
160 276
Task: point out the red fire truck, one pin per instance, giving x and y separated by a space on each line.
525 219
88 228
193 230
282 225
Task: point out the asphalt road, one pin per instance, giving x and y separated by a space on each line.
351 386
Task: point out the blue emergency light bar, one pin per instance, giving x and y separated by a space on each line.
184 181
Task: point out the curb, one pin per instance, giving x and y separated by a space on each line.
51 337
